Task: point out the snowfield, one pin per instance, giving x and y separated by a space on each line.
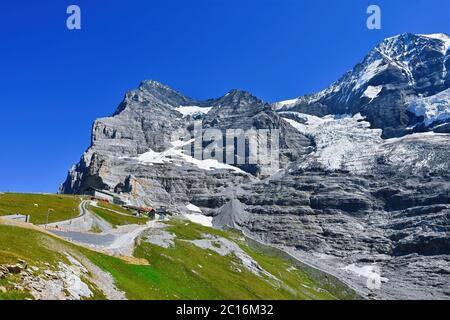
348 143
369 72
341 142
370 272
417 152
193 208
286 103
177 156
192 110
433 109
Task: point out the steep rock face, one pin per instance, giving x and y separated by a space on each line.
137 144
144 112
393 216
130 132
241 110
397 71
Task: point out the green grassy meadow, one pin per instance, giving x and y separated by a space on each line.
37 205
116 219
180 271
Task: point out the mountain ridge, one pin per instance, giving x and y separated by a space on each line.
415 65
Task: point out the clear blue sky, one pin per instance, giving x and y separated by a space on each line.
54 82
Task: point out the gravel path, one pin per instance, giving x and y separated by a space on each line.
117 241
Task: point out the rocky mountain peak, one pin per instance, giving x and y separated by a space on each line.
151 93
239 99
146 84
397 71
407 43
163 93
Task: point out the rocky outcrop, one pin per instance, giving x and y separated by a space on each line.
366 220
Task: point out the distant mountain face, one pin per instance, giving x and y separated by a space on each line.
396 72
344 196
147 120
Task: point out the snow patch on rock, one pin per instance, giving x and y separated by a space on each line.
370 272
370 71
372 92
342 142
193 208
176 156
195 215
287 103
200 219
192 110
432 109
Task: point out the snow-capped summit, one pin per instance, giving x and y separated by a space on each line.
445 38
395 72
439 36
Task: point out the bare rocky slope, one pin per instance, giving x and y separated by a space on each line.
363 191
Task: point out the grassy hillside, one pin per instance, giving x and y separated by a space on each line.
114 207
188 272
40 251
116 219
180 271
37 205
